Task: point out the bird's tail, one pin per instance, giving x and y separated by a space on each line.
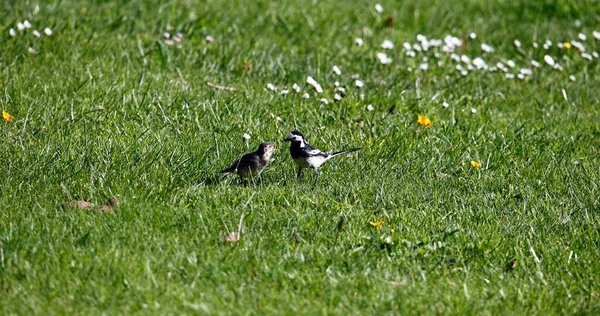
344 152
228 170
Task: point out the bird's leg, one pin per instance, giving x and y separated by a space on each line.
299 172
316 177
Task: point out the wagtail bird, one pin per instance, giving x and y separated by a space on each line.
306 156
252 164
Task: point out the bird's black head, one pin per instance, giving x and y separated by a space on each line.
294 136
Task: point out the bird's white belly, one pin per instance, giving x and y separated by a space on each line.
310 162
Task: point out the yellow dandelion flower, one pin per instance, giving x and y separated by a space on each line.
424 121
7 117
567 45
376 224
475 164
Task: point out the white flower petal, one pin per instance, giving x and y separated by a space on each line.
337 70
314 84
487 48
517 43
473 35
511 64
387 44
378 8
246 136
359 83
47 31
359 41
296 87
370 108
549 60
582 36
26 24
36 33
596 35
572 78
12 32
271 87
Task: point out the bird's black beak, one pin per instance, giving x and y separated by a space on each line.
287 139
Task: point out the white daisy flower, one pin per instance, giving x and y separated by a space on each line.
470 67
534 63
411 53
535 45
509 76
359 83
361 96
424 66
445 104
487 48
435 42
586 56
521 76
166 35
595 54
47 31
421 38
337 97
473 35
12 32
296 87
337 83
324 101
359 41
417 47
384 59
284 91
578 45
493 69
479 63
271 87
246 136
337 70
511 64
465 59
20 26
582 37
26 24
387 44
549 60
378 8
32 51
473 110
517 43
464 73
209 39
558 67
455 57
596 35
526 71
36 33
501 66
407 46
314 84
306 95
459 67
341 89
572 78
370 108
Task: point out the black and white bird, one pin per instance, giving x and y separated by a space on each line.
252 164
306 156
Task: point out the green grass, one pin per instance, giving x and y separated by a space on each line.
106 108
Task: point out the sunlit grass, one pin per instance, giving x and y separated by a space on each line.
458 176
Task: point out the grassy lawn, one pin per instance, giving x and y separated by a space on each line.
107 105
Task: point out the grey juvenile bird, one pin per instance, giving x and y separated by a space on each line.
306 156
252 164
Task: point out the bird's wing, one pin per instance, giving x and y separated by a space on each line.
311 152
